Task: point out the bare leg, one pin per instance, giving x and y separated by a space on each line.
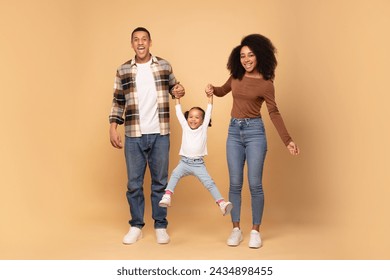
256 227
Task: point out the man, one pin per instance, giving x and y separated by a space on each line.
142 90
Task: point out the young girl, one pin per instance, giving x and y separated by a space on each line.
194 124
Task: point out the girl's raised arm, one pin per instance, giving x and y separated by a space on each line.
210 99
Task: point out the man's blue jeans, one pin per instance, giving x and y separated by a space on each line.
246 142
151 150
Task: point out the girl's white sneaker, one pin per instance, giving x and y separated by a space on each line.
165 201
226 207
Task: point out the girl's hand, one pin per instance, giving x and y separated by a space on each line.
293 148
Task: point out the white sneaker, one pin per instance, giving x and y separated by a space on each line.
132 236
255 239
235 237
165 201
226 207
162 236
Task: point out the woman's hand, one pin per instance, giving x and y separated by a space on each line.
209 90
293 148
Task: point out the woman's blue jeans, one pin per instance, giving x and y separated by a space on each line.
246 142
152 150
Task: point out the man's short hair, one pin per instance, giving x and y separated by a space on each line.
141 29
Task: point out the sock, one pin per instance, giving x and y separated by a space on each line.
220 200
168 192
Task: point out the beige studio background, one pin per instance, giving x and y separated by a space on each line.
62 190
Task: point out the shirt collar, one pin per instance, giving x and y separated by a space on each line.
154 60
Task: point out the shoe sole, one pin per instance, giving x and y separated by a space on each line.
129 243
255 246
164 205
235 244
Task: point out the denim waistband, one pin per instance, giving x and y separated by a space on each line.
192 160
245 120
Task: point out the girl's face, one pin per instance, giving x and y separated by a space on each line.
248 60
195 118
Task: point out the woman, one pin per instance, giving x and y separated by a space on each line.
252 67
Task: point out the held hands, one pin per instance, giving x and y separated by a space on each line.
209 90
178 90
293 148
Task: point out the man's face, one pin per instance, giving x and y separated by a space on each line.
140 42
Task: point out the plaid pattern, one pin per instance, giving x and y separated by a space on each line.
124 107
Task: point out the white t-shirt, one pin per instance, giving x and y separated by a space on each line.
193 141
147 99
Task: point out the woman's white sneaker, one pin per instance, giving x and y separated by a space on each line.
235 237
255 239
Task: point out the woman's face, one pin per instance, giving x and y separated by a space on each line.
248 60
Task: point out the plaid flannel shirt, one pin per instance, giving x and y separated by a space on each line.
125 101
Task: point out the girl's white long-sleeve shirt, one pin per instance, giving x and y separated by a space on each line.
194 141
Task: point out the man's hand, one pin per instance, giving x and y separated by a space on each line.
178 91
115 138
